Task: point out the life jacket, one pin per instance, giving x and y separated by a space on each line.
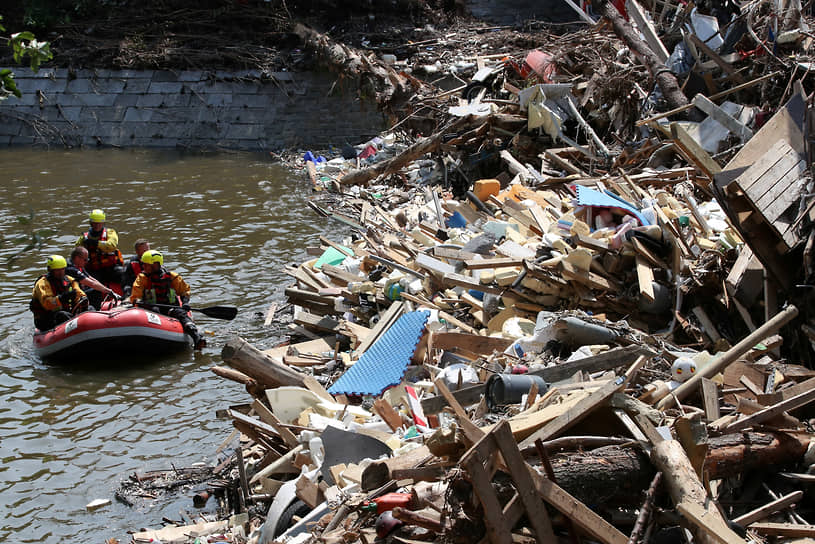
98 259
57 287
160 290
135 267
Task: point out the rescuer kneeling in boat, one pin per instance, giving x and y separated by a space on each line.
96 290
155 289
133 267
56 296
105 260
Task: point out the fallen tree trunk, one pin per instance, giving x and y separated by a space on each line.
664 77
430 144
619 474
376 79
252 362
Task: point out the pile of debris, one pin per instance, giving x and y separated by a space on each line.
555 314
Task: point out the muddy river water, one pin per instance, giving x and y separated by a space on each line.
228 223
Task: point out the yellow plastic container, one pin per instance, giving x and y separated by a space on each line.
483 188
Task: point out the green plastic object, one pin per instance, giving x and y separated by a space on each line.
331 256
684 220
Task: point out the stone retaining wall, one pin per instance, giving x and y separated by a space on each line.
197 110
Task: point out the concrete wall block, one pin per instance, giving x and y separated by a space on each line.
8 129
150 100
243 131
114 113
165 76
79 86
136 86
108 85
131 75
28 98
191 75
126 99
70 113
251 100
137 114
160 87
96 99
218 99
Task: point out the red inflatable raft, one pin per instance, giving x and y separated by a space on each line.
116 330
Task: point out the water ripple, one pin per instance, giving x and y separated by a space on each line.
70 434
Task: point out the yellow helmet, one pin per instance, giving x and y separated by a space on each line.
55 262
152 256
97 216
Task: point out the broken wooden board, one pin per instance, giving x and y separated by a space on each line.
498 524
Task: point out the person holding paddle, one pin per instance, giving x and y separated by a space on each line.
102 243
160 291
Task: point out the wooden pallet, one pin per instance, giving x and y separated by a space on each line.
771 186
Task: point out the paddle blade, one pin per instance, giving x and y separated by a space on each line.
218 312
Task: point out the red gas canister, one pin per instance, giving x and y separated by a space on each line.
390 500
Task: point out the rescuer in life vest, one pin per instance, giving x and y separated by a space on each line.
133 267
56 297
155 286
105 260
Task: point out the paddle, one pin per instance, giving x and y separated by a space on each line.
218 312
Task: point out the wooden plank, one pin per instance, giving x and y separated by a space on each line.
589 279
789 404
494 520
786 393
454 254
270 314
712 525
707 323
725 119
645 26
770 508
710 399
470 430
782 195
383 409
591 243
268 417
575 414
694 152
784 529
470 283
483 345
503 262
518 469
390 316
645 278
766 187
576 511
712 55
339 274
759 168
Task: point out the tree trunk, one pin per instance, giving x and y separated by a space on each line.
618 474
243 356
376 79
664 77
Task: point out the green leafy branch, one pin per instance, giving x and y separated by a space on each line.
23 44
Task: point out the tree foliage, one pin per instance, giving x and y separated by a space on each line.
23 44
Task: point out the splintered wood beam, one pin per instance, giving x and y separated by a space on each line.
770 508
689 495
575 414
771 411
